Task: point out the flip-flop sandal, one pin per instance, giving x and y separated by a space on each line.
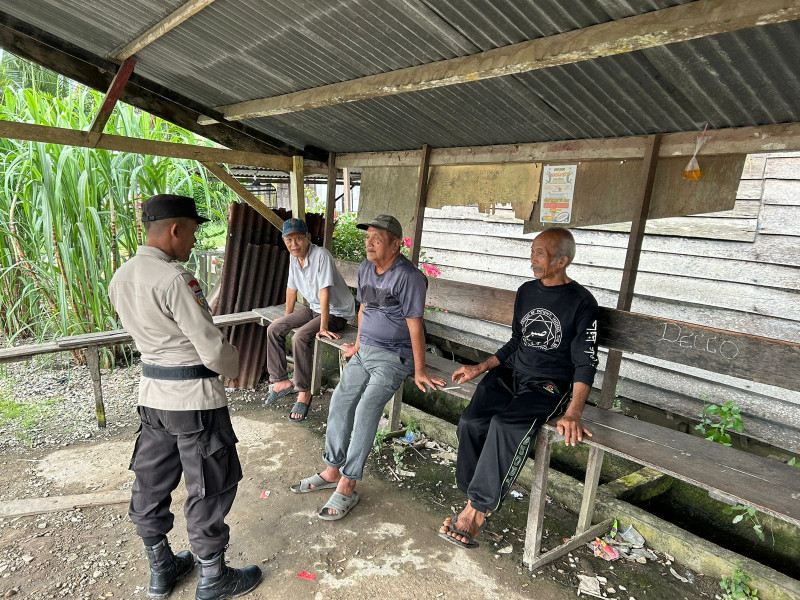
344 504
469 544
316 480
273 397
300 408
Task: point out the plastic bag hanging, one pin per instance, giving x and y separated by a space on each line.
692 170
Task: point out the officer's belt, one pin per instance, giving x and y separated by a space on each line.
177 373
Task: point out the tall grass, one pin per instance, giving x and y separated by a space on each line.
69 216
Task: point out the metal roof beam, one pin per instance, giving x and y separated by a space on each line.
667 26
192 7
784 137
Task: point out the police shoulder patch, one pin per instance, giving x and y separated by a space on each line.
198 294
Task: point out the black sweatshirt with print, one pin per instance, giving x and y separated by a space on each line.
554 333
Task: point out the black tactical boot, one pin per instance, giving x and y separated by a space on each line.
166 568
218 581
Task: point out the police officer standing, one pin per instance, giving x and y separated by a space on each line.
185 425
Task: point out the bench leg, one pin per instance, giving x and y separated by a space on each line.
92 355
593 467
541 466
394 411
316 369
342 362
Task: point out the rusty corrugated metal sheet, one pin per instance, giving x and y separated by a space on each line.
254 275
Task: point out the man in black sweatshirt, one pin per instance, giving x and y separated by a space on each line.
551 356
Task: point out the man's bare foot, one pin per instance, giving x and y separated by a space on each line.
305 398
346 487
468 521
279 386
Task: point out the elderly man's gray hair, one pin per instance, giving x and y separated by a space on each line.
566 246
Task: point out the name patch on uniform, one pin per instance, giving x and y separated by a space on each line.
198 294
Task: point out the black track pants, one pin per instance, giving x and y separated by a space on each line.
497 430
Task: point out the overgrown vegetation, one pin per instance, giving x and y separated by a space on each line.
737 585
69 216
747 514
23 416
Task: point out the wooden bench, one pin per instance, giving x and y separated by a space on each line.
764 484
91 343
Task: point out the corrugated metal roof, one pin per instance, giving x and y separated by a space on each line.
235 50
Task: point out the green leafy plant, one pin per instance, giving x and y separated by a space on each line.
715 420
397 455
412 425
380 436
748 515
793 462
737 586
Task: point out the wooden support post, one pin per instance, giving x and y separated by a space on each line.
316 370
110 101
296 189
422 199
648 173
346 191
593 468
541 467
330 203
394 410
92 354
342 362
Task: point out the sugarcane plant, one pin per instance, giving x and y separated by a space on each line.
69 216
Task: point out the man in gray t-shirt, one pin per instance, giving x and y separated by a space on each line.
313 274
390 346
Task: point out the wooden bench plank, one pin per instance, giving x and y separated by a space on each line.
765 484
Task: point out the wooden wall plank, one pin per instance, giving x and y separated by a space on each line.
782 191
739 230
782 168
779 219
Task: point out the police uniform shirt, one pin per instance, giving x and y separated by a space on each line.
163 308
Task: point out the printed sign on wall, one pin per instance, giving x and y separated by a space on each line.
558 188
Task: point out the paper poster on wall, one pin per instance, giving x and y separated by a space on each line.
558 188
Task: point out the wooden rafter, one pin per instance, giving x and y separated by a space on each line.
73 137
657 28
110 101
171 21
34 44
245 194
784 137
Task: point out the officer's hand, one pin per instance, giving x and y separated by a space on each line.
571 427
466 373
349 350
422 379
324 333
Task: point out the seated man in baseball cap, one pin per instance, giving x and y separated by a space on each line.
389 347
312 273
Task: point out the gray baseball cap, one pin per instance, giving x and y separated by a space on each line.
385 222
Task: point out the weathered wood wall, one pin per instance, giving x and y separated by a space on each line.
737 270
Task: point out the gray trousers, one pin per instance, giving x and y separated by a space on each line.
200 444
368 382
302 345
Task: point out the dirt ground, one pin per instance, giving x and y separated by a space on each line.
386 548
